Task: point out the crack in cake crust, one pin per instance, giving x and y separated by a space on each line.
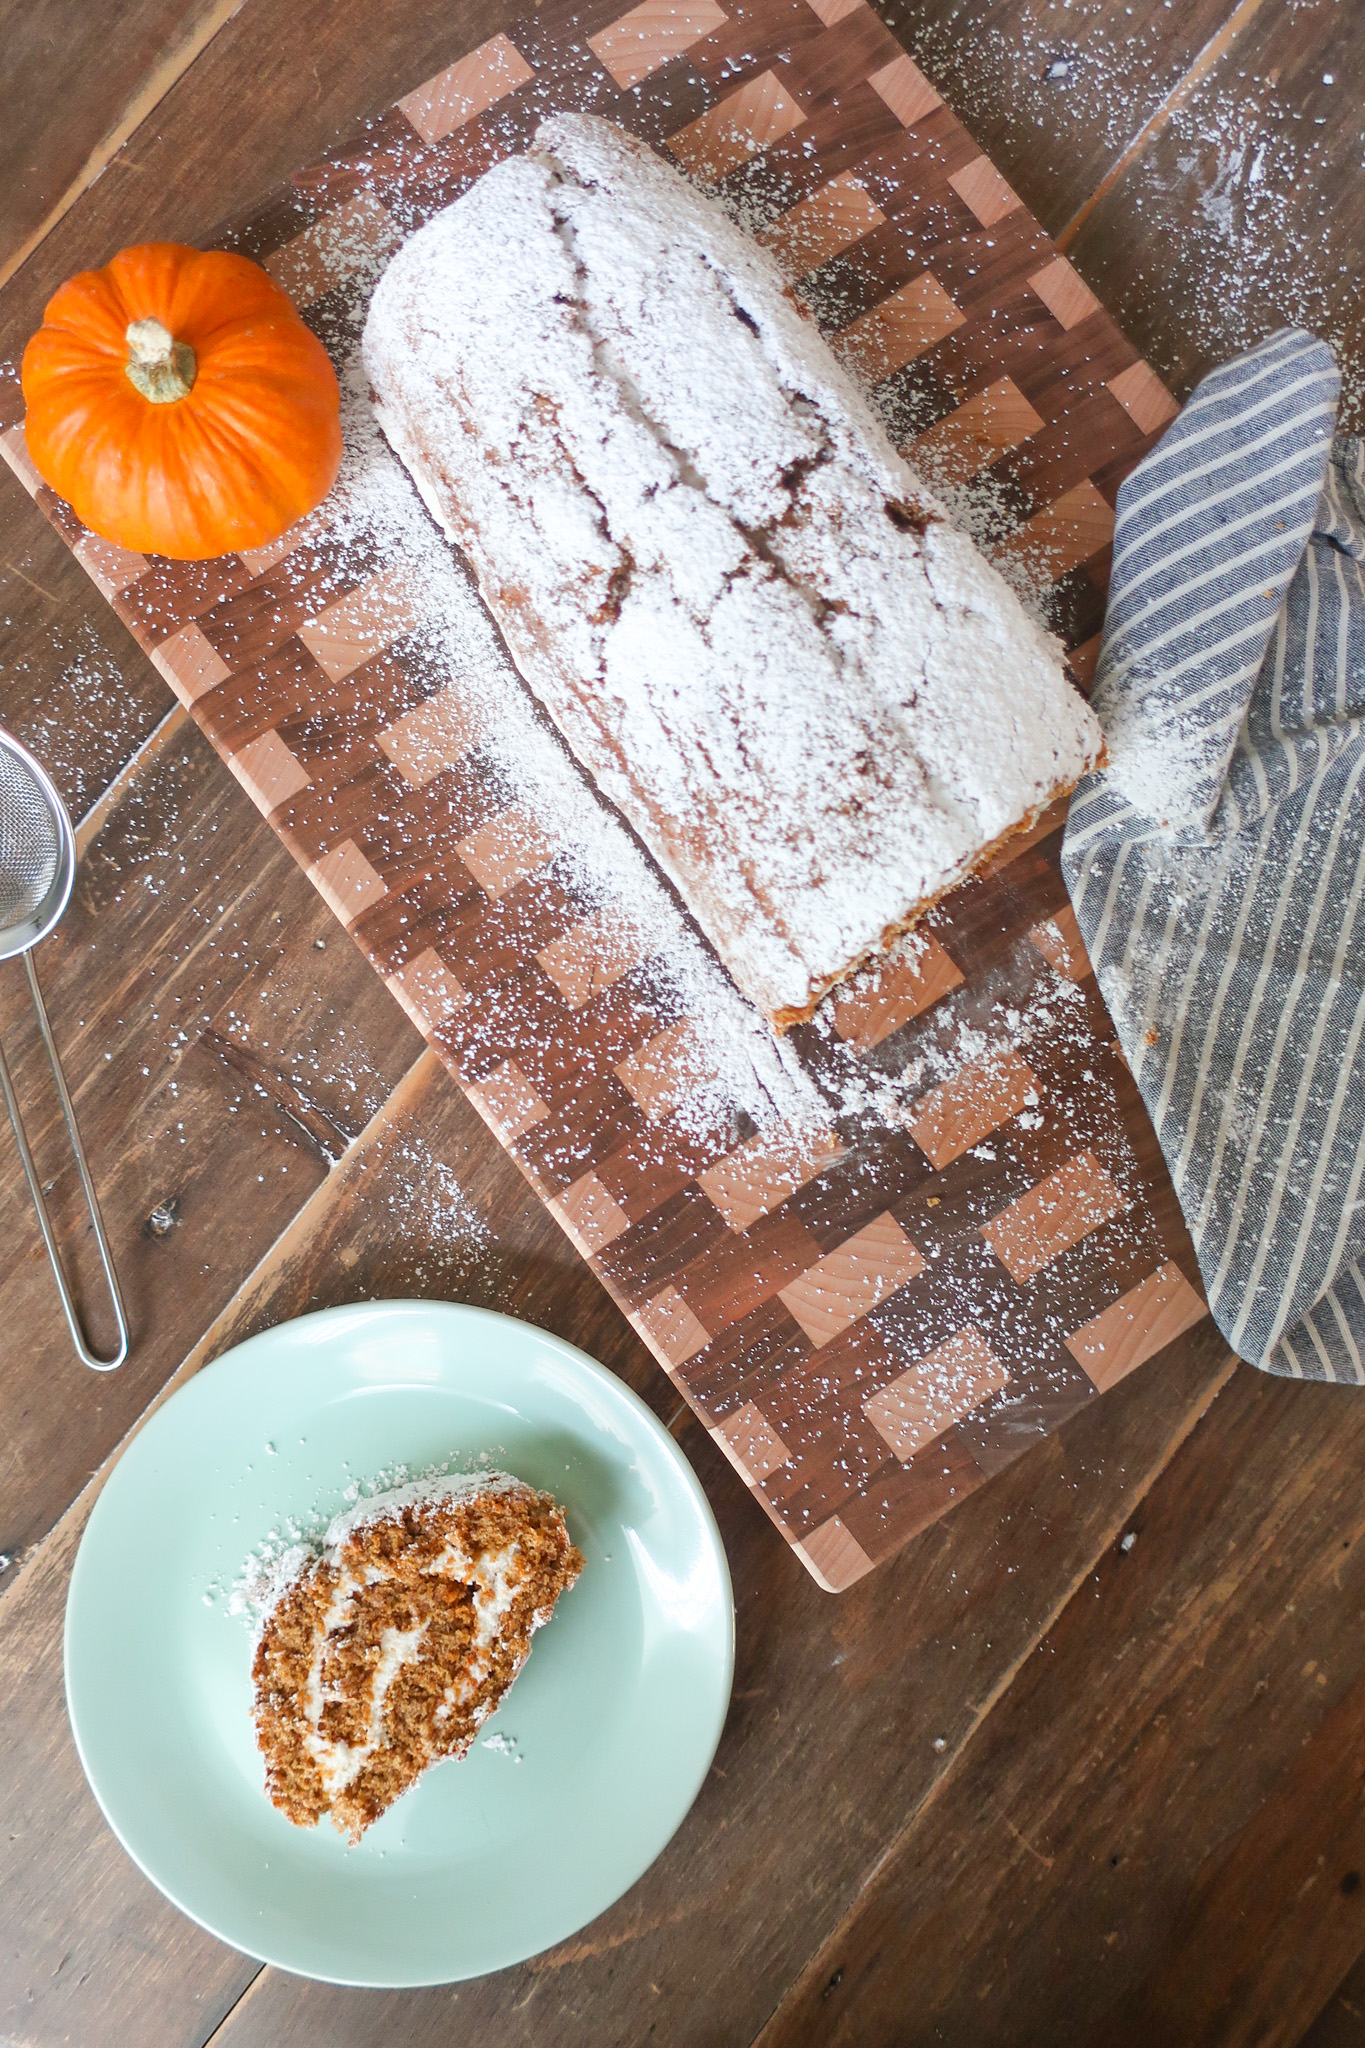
812 699
757 539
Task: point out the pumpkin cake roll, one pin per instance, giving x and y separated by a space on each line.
387 1649
813 699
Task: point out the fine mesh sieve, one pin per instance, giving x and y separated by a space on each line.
30 850
37 867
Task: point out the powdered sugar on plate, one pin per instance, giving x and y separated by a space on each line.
279 1557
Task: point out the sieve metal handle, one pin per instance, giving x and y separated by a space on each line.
83 1351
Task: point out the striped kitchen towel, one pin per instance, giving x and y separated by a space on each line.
1216 865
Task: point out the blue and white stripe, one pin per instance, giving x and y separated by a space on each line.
1216 865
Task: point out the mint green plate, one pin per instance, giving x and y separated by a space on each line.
605 1738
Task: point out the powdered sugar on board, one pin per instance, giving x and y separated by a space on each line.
807 1172
972 1031
1231 189
741 1078
738 1065
375 513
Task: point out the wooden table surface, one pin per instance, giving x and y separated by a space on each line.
1085 1762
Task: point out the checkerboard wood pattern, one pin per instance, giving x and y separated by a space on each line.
870 1317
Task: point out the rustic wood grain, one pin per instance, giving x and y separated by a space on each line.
105 86
838 1712
1247 1961
74 686
189 930
1053 97
1341 2023
845 1716
1171 108
315 72
1170 1796
1263 159
144 1973
948 1633
89 1951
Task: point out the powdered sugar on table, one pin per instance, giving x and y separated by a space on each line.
805 1229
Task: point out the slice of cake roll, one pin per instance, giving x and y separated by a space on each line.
387 1649
813 699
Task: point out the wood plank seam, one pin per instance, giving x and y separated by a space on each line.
1216 47
168 73
143 755
818 1964
332 1139
235 2007
300 1225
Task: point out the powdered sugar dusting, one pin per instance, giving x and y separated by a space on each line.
301 1538
738 1075
856 1101
335 1715
969 1031
375 514
811 697
388 1504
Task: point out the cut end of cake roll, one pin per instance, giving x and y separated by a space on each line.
811 696
386 1650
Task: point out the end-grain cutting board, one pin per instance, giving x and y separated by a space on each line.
880 1265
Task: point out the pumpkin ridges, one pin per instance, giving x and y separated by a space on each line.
263 410
289 497
271 328
191 463
82 384
252 446
93 333
250 504
123 293
215 450
172 493
65 357
197 307
243 377
265 416
205 475
180 487
98 326
148 280
87 392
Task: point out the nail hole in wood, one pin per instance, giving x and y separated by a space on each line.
163 1218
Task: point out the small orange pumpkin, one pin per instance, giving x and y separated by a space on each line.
179 404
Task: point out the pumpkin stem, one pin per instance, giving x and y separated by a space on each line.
160 368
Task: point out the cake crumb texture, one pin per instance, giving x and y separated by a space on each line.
811 696
388 1648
